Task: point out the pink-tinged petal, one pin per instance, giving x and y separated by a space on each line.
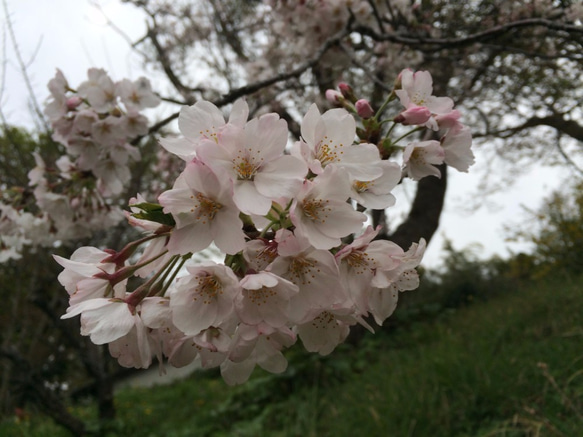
346 221
316 238
440 105
267 135
361 161
282 177
237 373
227 230
340 126
457 147
88 305
249 200
272 360
332 184
178 201
383 302
323 333
155 312
403 97
420 158
310 123
239 113
181 147
90 288
256 281
106 323
215 156
189 239
203 119
289 244
200 178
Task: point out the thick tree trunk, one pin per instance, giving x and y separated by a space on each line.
423 218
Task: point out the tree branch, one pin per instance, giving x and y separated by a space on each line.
443 43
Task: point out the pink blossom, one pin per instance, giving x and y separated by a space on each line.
256 345
320 212
204 211
416 91
376 193
201 121
327 139
314 272
137 95
252 158
417 115
457 146
203 298
420 159
99 90
265 298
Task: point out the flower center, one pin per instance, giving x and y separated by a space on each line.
205 208
260 296
418 156
209 287
324 320
246 169
327 152
362 186
300 270
360 262
316 209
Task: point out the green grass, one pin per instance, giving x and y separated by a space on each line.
511 366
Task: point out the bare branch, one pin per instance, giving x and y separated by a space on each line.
443 43
557 121
24 69
184 91
233 95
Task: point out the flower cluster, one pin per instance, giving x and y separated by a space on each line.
97 121
285 222
95 124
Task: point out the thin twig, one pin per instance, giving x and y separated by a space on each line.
24 69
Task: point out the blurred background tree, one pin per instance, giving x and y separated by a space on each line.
513 68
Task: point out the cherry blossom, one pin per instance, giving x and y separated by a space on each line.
202 205
420 159
297 260
320 212
416 96
252 158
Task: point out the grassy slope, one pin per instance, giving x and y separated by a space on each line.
474 372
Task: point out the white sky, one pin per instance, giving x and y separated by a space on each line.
72 35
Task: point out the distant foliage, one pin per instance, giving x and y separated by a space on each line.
556 231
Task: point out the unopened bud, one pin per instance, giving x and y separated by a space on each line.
363 108
73 102
334 97
347 92
416 115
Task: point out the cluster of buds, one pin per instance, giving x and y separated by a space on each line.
285 222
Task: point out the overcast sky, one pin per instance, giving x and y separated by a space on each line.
72 35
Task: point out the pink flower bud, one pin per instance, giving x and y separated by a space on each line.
347 92
334 97
364 109
73 102
414 115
